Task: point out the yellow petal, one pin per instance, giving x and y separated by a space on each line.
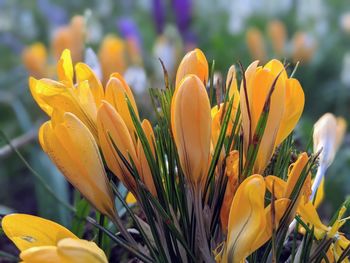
279 185
44 89
295 173
84 72
194 62
192 128
42 254
145 171
231 79
294 106
73 149
34 59
52 95
79 250
112 56
276 67
65 68
86 108
113 131
116 93
281 206
232 163
216 125
245 102
247 218
309 215
28 231
261 86
338 223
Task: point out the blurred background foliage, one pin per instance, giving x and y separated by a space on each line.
314 32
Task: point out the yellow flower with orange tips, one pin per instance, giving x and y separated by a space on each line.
269 85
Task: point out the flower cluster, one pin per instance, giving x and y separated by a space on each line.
217 178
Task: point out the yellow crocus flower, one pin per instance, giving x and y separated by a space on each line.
70 37
112 56
286 106
42 240
278 35
250 223
310 216
231 83
256 44
112 130
73 149
218 111
34 59
283 189
194 62
191 126
117 91
246 216
81 99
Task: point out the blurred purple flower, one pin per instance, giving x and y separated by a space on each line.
129 30
159 15
183 14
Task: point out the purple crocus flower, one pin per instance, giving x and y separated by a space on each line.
183 14
129 30
159 15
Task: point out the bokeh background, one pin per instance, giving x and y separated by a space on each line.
130 36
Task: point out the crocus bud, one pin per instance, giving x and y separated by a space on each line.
256 44
112 56
73 149
191 126
113 133
278 35
34 59
117 91
194 62
70 37
304 46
